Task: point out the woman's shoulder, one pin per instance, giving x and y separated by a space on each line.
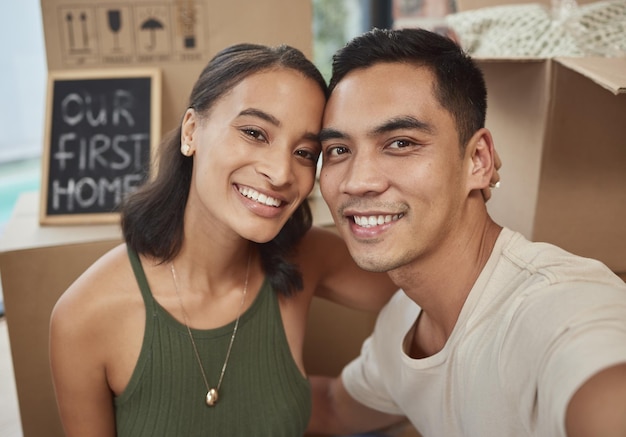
98 322
102 288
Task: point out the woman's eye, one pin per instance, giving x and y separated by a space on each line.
307 154
256 134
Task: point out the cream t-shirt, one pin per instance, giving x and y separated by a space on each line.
536 325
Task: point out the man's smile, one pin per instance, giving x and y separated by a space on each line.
368 221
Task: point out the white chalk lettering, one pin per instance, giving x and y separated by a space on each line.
98 144
76 108
98 136
82 195
138 143
87 192
122 103
58 191
118 152
72 114
128 158
101 118
131 183
62 155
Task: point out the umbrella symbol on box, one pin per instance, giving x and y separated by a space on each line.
152 25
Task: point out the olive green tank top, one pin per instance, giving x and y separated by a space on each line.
263 392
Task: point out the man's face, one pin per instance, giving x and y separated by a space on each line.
393 171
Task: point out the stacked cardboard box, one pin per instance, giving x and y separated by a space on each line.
177 36
558 125
37 264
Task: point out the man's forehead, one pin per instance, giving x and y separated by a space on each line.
381 73
392 80
375 94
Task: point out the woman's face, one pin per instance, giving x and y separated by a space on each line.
255 155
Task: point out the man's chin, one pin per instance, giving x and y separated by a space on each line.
370 263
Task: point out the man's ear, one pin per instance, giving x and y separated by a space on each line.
482 162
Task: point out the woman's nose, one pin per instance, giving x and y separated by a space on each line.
277 166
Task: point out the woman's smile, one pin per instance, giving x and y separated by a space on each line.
259 197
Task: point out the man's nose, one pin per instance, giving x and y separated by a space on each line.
365 175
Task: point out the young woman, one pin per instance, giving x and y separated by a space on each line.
195 326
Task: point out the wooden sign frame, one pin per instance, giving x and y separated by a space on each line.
89 130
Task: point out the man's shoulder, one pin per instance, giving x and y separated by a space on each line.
553 264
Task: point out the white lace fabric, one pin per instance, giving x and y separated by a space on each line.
534 30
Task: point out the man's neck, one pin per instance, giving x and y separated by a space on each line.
440 283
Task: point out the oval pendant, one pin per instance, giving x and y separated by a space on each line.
211 397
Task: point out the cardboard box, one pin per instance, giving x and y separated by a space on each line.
37 264
558 125
178 36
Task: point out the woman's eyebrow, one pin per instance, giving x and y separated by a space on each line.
260 114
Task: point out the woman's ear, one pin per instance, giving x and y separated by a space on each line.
483 172
188 131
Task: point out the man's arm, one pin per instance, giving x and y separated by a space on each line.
336 412
598 408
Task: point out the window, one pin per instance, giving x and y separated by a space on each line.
22 107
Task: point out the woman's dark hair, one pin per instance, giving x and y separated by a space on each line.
460 87
152 217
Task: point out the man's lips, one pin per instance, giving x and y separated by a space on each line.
368 221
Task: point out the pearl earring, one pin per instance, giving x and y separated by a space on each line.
185 149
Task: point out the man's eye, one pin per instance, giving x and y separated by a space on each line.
256 134
336 150
400 144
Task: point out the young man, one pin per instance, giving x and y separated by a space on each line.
490 334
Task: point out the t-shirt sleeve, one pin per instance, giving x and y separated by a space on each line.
579 352
558 341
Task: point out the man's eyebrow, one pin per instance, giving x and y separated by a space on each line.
331 134
396 123
260 114
404 122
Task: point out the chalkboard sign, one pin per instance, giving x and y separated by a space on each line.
101 131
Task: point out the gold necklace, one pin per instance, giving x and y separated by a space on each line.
212 394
